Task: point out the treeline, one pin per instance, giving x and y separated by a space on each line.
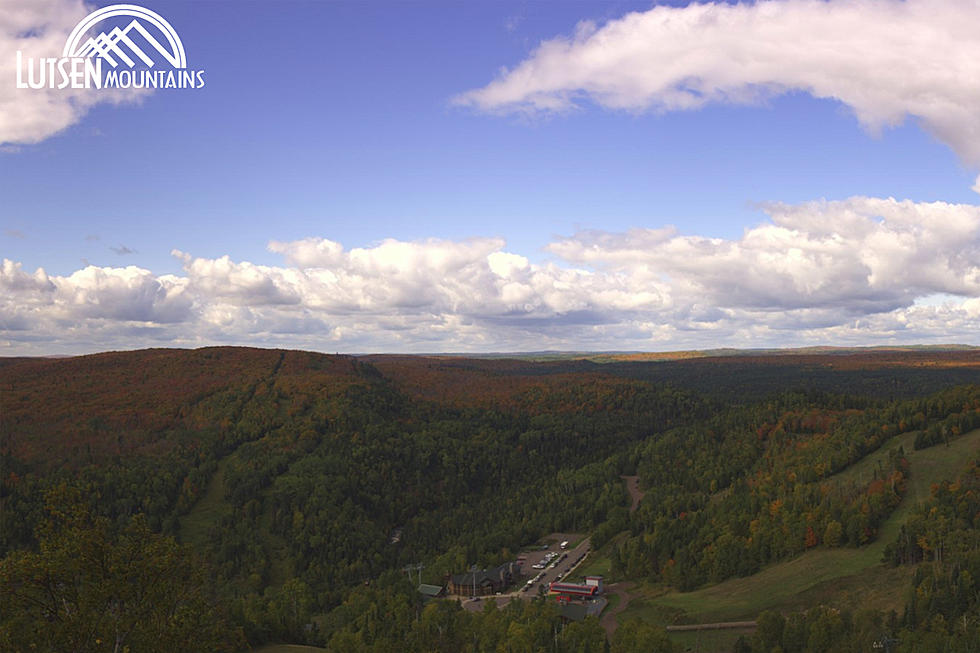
387 615
751 378
943 540
754 485
952 426
823 629
942 602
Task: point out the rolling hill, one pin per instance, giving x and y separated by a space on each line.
306 482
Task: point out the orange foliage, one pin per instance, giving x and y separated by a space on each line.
811 538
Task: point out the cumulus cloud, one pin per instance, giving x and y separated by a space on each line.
856 271
127 294
13 279
38 29
226 281
123 294
885 59
862 255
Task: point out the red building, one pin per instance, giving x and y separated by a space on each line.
568 591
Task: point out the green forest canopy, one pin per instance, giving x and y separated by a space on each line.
285 474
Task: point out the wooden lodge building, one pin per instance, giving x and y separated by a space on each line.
486 582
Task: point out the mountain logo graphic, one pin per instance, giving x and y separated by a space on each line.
126 45
136 49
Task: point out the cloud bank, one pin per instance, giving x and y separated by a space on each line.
885 59
857 271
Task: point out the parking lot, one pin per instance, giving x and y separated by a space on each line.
554 563
551 565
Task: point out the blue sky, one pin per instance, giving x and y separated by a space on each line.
491 186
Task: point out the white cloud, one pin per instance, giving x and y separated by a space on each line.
124 294
38 29
239 283
885 59
860 256
92 309
13 279
857 271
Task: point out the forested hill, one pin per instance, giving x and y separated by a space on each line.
71 411
302 484
736 375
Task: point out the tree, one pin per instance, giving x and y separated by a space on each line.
93 588
635 635
833 534
290 608
769 630
583 637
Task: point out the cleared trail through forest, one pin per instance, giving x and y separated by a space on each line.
633 487
608 620
784 583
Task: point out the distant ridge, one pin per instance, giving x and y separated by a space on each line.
564 355
653 356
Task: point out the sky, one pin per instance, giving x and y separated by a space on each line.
495 176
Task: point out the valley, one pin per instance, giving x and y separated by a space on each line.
305 485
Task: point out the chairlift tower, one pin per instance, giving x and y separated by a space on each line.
417 567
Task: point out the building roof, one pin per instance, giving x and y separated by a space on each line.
574 588
497 575
473 578
430 590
